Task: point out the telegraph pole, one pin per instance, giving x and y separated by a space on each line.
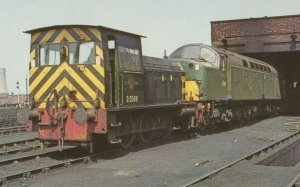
26 85
18 87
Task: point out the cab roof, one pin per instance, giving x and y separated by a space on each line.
81 26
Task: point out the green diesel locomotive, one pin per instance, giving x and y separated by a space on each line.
227 86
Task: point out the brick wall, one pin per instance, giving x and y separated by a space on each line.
269 34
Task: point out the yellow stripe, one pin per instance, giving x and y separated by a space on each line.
72 73
102 103
80 81
96 32
71 104
94 80
99 52
64 82
34 37
47 36
32 71
32 55
62 35
81 34
48 83
68 84
38 78
99 69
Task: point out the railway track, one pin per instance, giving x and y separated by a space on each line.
8 115
23 166
249 156
12 129
8 124
53 160
19 146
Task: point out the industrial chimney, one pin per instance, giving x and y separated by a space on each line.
3 86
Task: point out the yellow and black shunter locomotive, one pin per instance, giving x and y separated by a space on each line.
88 81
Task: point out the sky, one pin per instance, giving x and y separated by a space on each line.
167 24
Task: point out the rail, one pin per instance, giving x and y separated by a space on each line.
247 157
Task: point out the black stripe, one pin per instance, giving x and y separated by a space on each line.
100 45
85 94
32 47
54 36
64 74
44 80
96 73
36 73
90 34
39 38
53 85
98 77
73 33
72 97
86 79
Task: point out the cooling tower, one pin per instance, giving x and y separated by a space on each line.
3 86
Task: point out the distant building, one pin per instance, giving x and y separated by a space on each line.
3 86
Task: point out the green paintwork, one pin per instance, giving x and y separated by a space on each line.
230 79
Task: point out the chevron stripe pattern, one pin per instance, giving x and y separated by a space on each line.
79 84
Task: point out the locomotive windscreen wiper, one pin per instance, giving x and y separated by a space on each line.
199 59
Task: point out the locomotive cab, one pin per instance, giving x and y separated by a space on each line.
200 63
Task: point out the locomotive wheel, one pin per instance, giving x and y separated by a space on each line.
206 120
246 112
185 124
165 123
202 128
147 124
126 128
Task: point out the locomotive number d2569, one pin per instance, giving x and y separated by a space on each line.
132 99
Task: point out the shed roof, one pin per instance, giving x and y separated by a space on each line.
258 18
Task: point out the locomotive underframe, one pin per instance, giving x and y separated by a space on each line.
211 112
116 125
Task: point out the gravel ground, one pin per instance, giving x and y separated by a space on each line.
174 164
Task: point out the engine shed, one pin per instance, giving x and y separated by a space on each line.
275 40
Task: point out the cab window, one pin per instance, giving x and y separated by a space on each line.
87 53
49 54
84 53
130 59
73 53
208 55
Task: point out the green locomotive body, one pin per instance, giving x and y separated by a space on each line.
227 86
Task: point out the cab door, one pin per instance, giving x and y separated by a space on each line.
130 74
126 75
